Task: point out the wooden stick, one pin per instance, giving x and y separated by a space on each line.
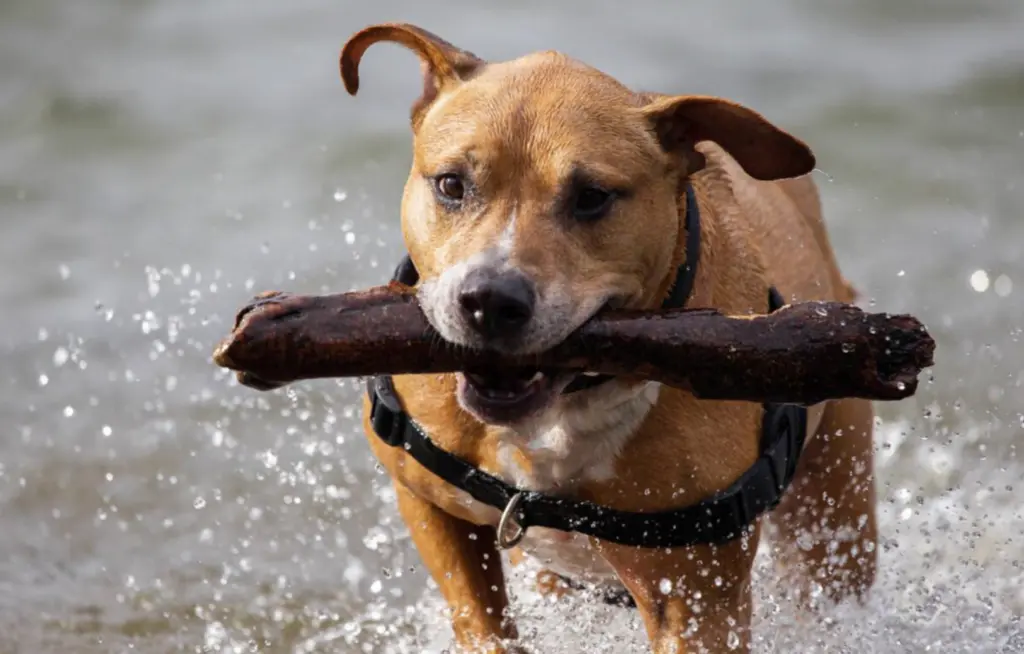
803 353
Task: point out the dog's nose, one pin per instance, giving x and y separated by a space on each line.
497 305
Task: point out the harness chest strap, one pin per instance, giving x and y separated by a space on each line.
716 520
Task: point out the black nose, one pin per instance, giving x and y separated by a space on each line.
496 305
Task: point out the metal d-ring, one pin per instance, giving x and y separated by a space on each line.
505 542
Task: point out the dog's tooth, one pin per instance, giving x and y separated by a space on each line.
592 374
537 376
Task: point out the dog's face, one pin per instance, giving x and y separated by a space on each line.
543 190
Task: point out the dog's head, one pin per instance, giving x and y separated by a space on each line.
543 190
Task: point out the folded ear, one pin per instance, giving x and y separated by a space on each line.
443 64
763 150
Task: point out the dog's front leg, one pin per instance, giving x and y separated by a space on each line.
463 559
691 599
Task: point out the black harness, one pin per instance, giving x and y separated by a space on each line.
716 520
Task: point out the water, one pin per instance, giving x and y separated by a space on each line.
161 162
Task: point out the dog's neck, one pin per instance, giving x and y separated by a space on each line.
578 439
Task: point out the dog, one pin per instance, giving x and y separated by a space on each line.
541 192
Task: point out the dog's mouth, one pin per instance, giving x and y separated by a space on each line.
510 396
507 397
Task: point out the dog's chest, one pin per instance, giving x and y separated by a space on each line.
566 448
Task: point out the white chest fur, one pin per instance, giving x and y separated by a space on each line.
577 441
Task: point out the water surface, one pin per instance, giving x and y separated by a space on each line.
161 161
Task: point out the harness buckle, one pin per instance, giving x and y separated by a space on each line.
505 539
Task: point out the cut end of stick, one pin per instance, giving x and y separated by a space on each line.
221 356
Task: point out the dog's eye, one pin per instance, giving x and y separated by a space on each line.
450 186
591 203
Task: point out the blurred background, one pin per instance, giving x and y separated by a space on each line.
161 161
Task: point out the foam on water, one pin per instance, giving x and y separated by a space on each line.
944 585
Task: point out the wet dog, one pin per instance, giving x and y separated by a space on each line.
541 191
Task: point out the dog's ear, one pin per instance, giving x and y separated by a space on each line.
443 64
763 150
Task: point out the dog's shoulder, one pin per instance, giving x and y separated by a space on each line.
768 229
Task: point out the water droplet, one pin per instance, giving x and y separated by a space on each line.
665 586
820 311
60 356
340 195
901 273
901 386
352 630
64 271
805 540
199 502
1003 286
732 641
979 281
847 348
69 411
43 380
350 237
375 537
152 281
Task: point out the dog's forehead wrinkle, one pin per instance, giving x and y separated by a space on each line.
538 107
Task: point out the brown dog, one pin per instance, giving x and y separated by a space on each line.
541 191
